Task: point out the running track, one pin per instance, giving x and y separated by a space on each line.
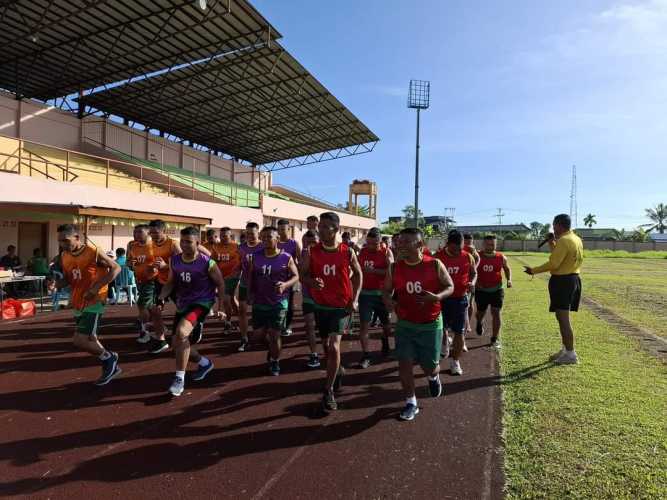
240 433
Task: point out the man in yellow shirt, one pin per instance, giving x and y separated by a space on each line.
567 255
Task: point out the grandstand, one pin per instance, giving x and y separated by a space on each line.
176 113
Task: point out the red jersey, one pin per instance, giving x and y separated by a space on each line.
427 251
333 268
410 280
458 267
371 259
489 270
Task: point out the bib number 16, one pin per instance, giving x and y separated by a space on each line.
413 287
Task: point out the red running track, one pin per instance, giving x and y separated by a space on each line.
240 433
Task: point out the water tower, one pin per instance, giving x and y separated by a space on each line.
363 188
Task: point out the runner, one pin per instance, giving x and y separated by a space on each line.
309 240
469 246
347 240
333 275
489 290
164 248
141 260
311 223
293 248
229 262
374 261
193 278
87 271
419 284
271 274
251 245
461 267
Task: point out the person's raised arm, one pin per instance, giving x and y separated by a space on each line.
306 275
357 279
203 250
446 285
508 272
113 269
167 288
216 276
473 274
558 254
388 289
284 285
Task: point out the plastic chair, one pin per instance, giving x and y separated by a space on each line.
125 282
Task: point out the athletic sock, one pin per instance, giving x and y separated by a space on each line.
433 378
105 355
412 400
180 374
203 361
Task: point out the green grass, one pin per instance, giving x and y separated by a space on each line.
595 430
636 289
607 254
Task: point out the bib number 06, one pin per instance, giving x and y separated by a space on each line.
413 287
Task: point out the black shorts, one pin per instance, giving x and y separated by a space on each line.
564 292
195 314
485 299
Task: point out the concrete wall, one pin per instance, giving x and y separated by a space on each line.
531 245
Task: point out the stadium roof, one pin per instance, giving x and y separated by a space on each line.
52 48
257 105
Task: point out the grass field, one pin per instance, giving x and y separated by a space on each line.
635 288
596 430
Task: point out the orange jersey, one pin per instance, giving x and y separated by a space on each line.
228 258
82 271
164 250
144 269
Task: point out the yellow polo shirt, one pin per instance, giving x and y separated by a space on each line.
566 256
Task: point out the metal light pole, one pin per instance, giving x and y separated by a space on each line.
418 98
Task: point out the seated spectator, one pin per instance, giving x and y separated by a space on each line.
38 265
121 258
11 260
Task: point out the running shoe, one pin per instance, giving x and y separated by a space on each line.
314 360
197 333
144 337
479 328
465 347
110 369
567 358
365 361
495 343
338 381
286 332
557 355
244 345
274 367
156 346
202 371
455 367
385 347
227 328
409 412
177 386
435 387
329 402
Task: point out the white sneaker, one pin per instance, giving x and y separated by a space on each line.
455 367
496 345
144 338
567 358
177 386
465 347
557 355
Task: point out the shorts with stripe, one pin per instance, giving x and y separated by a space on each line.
87 321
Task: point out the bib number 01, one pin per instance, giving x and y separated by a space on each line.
329 270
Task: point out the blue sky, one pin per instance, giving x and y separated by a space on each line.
520 90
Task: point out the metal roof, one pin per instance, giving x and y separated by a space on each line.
257 105
52 48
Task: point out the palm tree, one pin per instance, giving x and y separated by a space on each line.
619 235
589 220
640 235
658 216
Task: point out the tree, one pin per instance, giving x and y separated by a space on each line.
619 235
546 229
640 235
589 220
409 214
658 216
536 229
392 227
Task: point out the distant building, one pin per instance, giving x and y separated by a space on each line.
658 237
597 233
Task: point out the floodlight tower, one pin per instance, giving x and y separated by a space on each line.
418 98
573 198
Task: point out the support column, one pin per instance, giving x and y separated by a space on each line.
146 152
19 115
180 156
209 163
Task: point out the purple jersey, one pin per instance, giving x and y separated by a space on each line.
246 250
192 283
289 246
266 272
